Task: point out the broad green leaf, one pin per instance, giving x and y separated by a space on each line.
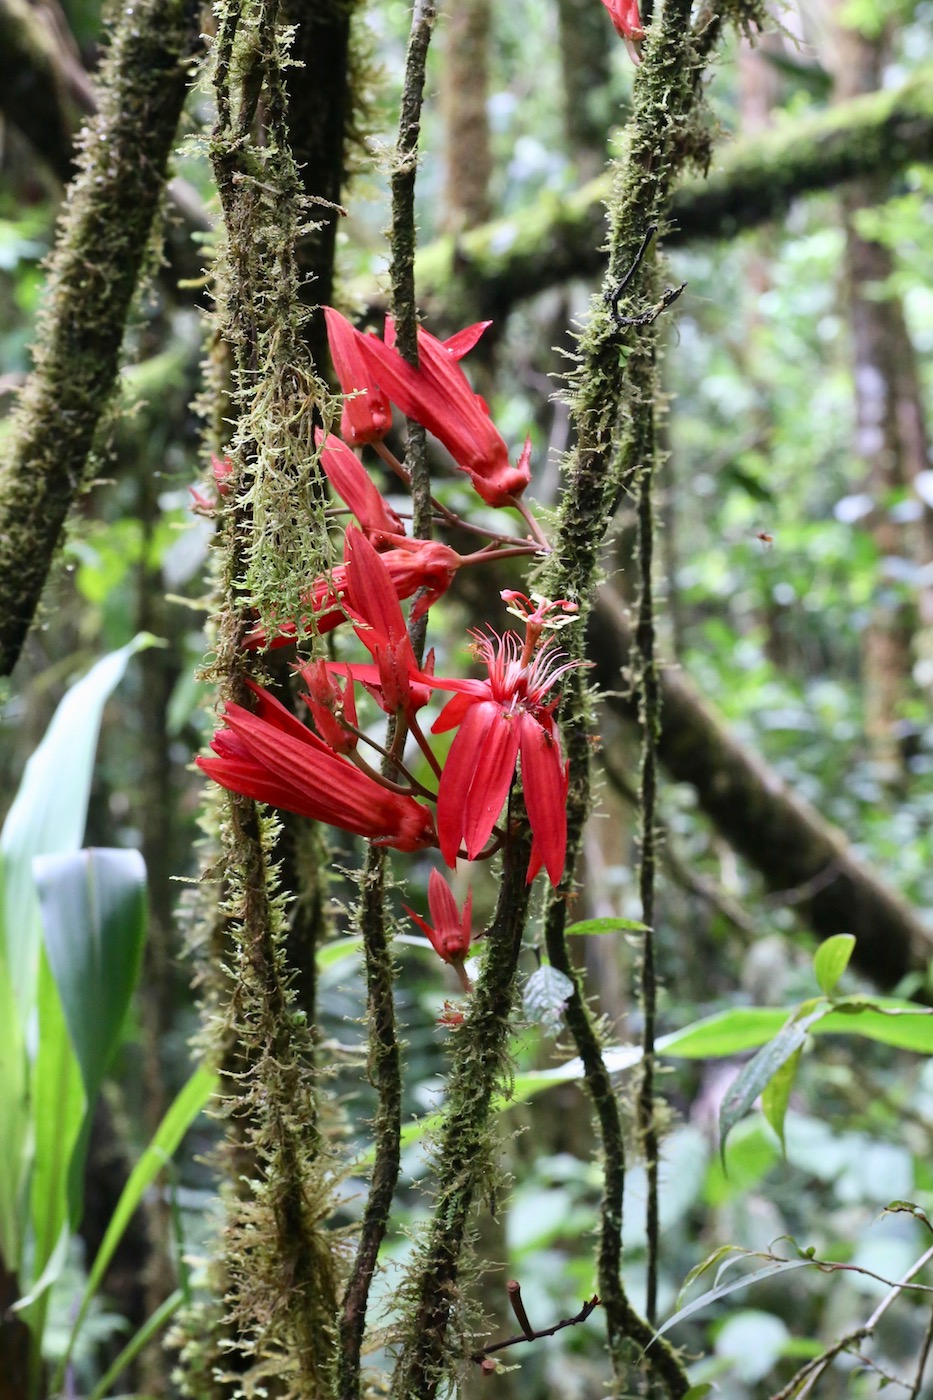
58 1114
698 1392
722 1290
724 1033
891 1022
178 1118
753 1077
608 925
47 815
14 1122
831 960
49 811
775 1096
93 906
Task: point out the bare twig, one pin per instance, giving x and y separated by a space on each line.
530 1334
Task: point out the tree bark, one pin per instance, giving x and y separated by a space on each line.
464 90
752 181
778 833
101 247
890 430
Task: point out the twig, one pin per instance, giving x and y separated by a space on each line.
803 1381
922 1362
530 1334
649 706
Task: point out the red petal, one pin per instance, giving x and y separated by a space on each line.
545 782
463 342
442 905
370 590
355 486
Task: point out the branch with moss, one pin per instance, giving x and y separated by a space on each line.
100 252
612 394
464 1145
753 180
278 1260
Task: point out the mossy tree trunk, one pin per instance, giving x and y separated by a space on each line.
100 253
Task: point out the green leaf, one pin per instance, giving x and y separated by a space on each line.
753 1077
891 1022
57 1113
14 1121
750 1154
134 1346
831 960
49 811
47 815
722 1290
178 1118
725 1033
612 925
775 1096
93 906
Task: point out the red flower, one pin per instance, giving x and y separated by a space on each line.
356 488
272 757
367 413
438 395
449 930
411 564
626 18
501 719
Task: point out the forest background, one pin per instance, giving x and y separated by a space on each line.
783 864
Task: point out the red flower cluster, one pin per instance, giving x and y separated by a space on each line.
504 721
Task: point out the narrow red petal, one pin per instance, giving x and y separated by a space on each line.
454 788
355 486
544 780
463 342
494 761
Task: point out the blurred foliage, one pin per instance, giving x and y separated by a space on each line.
760 433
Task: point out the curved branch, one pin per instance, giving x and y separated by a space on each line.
560 237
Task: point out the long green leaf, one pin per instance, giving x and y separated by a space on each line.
50 809
722 1290
134 1346
93 906
47 815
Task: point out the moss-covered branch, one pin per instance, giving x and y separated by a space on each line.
102 243
463 1146
751 181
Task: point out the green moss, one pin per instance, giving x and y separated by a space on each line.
101 246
